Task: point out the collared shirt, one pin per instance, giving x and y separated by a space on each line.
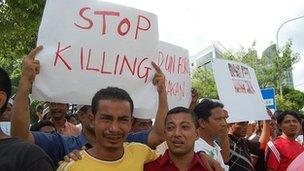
134 157
288 149
240 152
68 129
164 163
57 145
213 151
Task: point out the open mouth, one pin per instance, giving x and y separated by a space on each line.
114 139
177 143
293 129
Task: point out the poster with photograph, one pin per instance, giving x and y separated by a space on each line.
239 91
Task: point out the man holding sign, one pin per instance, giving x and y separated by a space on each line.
112 108
93 44
57 145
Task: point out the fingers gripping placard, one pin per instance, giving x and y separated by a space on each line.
89 45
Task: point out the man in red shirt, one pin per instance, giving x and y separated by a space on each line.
180 133
281 152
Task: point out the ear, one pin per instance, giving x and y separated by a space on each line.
230 127
3 98
202 123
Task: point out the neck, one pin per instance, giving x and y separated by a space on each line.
90 136
182 162
3 135
105 154
59 122
207 137
290 137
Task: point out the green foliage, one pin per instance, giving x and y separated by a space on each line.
283 104
19 23
203 81
271 67
292 99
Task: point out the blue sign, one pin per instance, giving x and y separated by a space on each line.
269 98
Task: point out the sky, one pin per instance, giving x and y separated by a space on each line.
194 24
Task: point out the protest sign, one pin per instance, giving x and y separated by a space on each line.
174 62
89 45
239 91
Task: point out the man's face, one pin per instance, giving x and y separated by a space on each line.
58 110
87 120
6 116
216 122
112 123
290 126
250 128
239 129
180 133
141 124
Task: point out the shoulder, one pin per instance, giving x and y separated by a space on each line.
136 146
201 145
279 142
21 146
65 166
72 165
32 153
153 165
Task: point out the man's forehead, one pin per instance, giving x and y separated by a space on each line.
289 117
179 117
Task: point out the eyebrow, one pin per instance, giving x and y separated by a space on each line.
185 122
124 117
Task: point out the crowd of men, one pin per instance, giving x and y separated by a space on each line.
110 138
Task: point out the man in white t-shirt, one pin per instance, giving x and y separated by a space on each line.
212 123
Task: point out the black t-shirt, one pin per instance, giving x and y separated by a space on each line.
240 152
16 155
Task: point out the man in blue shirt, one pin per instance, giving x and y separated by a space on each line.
57 145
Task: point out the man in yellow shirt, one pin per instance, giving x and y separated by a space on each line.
112 108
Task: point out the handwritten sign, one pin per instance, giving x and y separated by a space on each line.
89 45
239 91
174 62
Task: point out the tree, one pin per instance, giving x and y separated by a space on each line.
19 23
291 99
203 81
271 68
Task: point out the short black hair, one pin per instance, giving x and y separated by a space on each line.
282 115
85 108
111 93
180 109
37 126
203 109
5 86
